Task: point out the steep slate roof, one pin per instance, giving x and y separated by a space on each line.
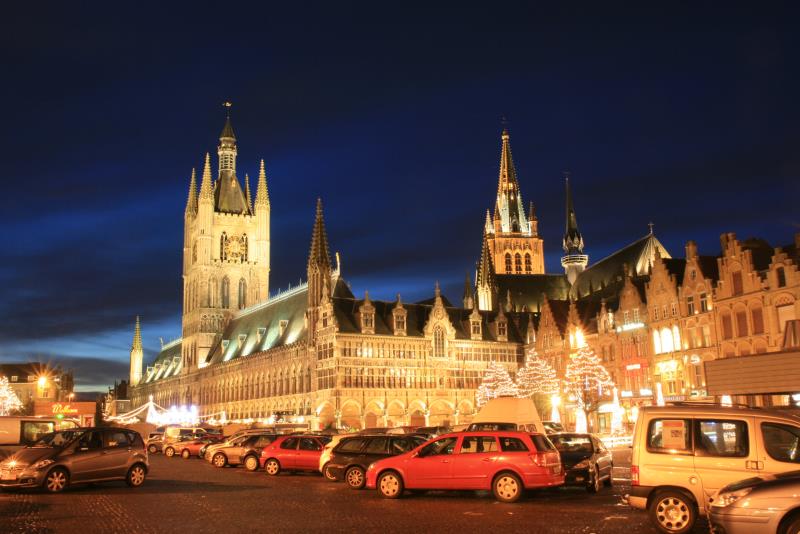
228 196
709 266
166 359
529 290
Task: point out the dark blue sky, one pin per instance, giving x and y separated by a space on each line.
684 116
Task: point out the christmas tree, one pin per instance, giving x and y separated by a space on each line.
496 383
536 376
587 380
9 402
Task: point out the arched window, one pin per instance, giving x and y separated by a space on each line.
676 338
528 265
222 240
727 324
758 320
508 262
212 292
438 342
656 342
244 247
225 293
666 340
242 293
518 263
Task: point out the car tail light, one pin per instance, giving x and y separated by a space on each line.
634 475
546 459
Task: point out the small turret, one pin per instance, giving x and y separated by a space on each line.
205 183
191 202
574 260
137 354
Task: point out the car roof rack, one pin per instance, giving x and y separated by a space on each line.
714 404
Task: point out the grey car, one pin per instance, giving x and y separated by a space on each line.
766 504
77 456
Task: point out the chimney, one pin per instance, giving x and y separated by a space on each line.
691 250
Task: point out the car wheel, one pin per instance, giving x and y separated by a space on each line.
56 480
169 452
185 454
507 487
673 512
793 526
594 484
272 467
219 460
136 476
390 485
152 449
251 463
355 478
328 474
610 480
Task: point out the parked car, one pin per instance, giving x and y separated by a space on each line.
83 455
684 453
244 450
586 461
431 432
155 444
173 447
760 505
192 447
504 462
178 433
293 453
352 456
552 427
207 451
507 413
325 457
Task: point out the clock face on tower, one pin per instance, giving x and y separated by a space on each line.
233 248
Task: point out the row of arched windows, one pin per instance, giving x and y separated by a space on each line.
216 295
666 340
514 264
282 382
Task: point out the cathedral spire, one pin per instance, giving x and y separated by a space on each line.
319 270
468 292
247 198
509 207
191 202
262 193
205 183
574 260
137 335
319 255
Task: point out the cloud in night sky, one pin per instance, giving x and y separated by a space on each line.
687 119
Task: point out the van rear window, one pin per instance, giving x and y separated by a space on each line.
669 436
542 443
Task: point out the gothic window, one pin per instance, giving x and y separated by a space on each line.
741 322
225 293
508 262
781 275
727 325
502 329
518 263
656 342
737 282
690 305
244 247
438 342
528 266
242 293
476 328
758 320
399 322
222 240
704 307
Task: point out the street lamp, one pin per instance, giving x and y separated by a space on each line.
42 381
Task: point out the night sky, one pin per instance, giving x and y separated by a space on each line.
391 112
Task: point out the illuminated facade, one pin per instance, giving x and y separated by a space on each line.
318 352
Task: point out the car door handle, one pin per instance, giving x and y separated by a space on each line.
486 459
445 461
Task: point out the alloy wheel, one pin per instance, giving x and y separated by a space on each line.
507 488
273 467
390 485
56 481
136 476
251 463
672 514
219 460
355 478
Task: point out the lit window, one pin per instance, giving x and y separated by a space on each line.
528 265
508 262
518 263
438 342
704 307
690 305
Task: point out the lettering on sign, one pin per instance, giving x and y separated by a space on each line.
63 409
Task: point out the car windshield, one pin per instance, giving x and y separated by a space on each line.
572 443
58 439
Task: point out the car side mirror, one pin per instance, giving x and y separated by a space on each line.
417 454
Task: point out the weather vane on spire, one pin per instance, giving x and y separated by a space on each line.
504 122
227 105
650 225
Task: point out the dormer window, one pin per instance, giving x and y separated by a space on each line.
282 326
399 323
225 343
502 330
368 320
242 338
260 334
367 313
476 328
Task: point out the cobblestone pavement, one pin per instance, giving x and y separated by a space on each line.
192 496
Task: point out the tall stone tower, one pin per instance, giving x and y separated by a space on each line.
137 355
574 260
318 270
512 236
226 250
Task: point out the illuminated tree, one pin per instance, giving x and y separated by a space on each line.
536 376
496 383
587 380
9 402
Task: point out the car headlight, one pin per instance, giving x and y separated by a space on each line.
583 464
729 497
41 464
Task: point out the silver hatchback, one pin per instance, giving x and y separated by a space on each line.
761 505
77 456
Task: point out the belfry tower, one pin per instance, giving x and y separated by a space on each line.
137 355
226 249
512 235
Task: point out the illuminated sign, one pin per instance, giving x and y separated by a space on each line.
63 409
626 394
630 326
695 359
633 366
645 392
669 366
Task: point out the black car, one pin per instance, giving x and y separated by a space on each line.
587 462
352 456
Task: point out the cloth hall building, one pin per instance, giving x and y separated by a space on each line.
320 353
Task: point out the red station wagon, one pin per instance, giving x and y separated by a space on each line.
504 462
293 453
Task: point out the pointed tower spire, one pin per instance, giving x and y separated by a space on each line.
319 255
262 193
247 198
191 202
137 354
509 207
574 260
488 227
468 292
205 183
319 270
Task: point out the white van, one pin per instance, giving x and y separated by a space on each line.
684 453
25 430
507 413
